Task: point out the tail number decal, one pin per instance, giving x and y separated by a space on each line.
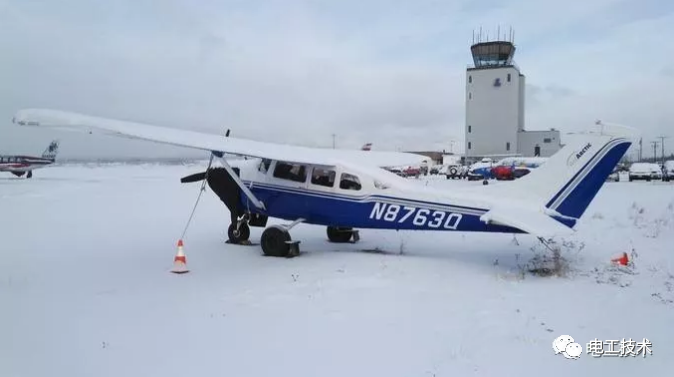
420 217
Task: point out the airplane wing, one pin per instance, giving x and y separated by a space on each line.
210 142
530 221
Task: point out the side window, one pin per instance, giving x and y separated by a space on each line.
349 182
293 172
264 166
323 177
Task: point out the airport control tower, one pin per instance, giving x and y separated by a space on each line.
495 104
494 99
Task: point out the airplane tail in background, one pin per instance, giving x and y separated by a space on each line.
52 150
568 182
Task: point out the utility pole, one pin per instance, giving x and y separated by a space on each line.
662 143
655 146
640 147
333 141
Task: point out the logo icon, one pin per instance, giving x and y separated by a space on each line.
575 156
565 345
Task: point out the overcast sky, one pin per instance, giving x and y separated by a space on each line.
388 72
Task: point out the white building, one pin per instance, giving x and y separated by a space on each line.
495 108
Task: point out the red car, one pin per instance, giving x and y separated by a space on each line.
502 173
411 172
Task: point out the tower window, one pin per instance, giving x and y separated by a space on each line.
470 129
470 79
470 95
508 146
547 140
469 146
508 77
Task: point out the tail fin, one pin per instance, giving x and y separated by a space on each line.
52 150
568 182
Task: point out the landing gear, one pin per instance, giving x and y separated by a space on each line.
276 241
342 234
30 174
240 235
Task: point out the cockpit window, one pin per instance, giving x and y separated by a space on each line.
323 177
264 166
293 172
349 182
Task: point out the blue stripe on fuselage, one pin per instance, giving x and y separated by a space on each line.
372 212
366 198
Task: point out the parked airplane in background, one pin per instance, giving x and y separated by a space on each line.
20 165
348 189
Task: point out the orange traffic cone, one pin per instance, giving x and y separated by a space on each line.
623 260
180 261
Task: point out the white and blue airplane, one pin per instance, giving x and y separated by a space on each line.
346 190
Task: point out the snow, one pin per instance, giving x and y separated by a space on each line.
85 288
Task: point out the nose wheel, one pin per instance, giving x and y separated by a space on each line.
238 234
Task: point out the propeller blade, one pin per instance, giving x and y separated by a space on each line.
193 178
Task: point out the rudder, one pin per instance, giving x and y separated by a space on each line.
52 150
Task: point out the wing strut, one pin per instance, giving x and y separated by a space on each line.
257 203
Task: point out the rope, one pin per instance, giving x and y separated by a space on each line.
203 188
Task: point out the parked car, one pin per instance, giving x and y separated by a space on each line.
455 172
502 172
520 172
412 171
645 171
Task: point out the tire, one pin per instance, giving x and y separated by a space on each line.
452 171
339 235
243 234
274 242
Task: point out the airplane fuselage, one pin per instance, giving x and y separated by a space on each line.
22 164
366 206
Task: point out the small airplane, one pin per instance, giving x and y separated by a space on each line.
20 165
346 190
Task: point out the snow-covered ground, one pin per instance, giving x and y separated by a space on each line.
85 288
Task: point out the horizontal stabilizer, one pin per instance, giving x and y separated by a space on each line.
530 221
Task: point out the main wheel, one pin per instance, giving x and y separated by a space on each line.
339 235
274 242
30 174
243 234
